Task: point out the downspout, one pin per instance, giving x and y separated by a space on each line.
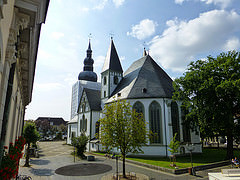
165 128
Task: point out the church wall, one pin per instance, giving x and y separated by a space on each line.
146 102
158 149
72 129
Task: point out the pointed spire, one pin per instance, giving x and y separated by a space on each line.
144 52
89 50
112 61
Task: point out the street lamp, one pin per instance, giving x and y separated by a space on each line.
190 148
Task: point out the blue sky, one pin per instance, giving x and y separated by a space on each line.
175 32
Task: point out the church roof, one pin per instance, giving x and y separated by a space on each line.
144 79
112 61
94 98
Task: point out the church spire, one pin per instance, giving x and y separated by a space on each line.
112 61
144 52
87 73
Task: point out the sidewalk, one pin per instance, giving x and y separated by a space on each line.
55 155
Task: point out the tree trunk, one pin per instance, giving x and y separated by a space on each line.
229 146
27 156
124 171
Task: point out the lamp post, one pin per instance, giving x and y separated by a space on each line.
190 148
117 167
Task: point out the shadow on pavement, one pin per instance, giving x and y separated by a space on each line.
39 161
42 172
83 169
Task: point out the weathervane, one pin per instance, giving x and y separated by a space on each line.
90 36
111 35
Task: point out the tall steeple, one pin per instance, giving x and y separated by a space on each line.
87 73
112 72
112 61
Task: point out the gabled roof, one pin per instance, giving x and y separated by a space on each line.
144 79
112 61
55 121
94 98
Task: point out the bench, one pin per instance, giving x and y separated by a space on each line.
90 158
231 172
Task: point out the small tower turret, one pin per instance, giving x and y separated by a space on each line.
87 73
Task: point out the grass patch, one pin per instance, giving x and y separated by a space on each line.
208 156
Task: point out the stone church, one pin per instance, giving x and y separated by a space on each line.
146 86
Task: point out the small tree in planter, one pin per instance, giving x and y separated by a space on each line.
80 143
174 146
31 135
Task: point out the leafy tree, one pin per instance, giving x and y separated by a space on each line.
63 128
59 135
122 128
43 126
211 89
80 143
174 146
31 135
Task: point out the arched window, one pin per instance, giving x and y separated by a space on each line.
175 120
83 124
185 126
138 106
155 122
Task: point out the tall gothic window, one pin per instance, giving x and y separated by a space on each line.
155 124
175 120
185 126
138 106
83 124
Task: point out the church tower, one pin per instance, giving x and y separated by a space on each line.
87 74
112 72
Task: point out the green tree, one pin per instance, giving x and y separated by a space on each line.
122 128
174 147
31 135
80 143
211 90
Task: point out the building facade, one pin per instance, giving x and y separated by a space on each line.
20 25
148 88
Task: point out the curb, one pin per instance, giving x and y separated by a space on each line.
175 171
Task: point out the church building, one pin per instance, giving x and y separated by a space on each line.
146 86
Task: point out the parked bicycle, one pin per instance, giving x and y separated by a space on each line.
23 177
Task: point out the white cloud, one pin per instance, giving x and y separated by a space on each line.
57 35
98 61
144 29
100 5
118 2
48 86
221 3
179 1
182 41
232 44
122 58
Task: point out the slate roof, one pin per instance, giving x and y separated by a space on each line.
94 99
55 121
144 79
112 61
